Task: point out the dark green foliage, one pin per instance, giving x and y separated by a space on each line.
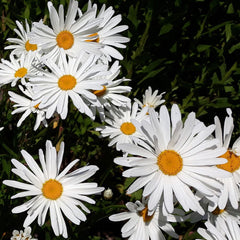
189 49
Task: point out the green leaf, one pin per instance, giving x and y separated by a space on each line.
203 47
132 14
228 31
27 12
151 75
214 28
166 28
173 49
229 88
234 47
6 166
10 151
230 9
10 23
220 103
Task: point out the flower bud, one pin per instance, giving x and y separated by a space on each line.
108 194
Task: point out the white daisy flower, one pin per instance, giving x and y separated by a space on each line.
58 192
22 235
174 158
70 78
111 94
16 69
142 226
151 99
212 233
230 185
1 128
25 104
120 128
67 33
226 220
108 32
22 45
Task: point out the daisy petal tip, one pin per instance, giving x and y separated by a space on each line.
5 182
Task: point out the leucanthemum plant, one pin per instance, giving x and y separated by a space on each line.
22 235
71 78
172 163
60 192
226 221
68 33
111 95
151 99
230 185
142 226
119 125
17 69
222 224
174 157
80 32
212 233
21 45
24 103
108 34
65 62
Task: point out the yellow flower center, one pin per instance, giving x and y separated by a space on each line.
217 211
149 105
144 214
52 189
67 82
170 162
101 92
93 40
128 128
145 105
37 105
21 72
65 39
30 47
233 162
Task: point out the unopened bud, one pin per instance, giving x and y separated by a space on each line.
108 194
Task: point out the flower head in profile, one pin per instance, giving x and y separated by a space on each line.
230 185
58 192
142 226
71 78
22 235
68 33
226 221
21 45
108 33
175 157
25 104
212 233
111 95
120 128
151 99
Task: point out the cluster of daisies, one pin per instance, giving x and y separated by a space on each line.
72 57
184 169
